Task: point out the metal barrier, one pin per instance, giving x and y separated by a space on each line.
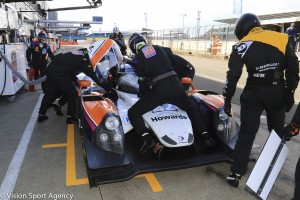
192 40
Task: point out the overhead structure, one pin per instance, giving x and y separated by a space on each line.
60 21
284 17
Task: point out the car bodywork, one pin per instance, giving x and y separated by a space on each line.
110 144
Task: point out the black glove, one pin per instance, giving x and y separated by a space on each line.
289 100
227 106
291 130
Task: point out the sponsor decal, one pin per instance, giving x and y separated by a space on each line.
149 51
166 117
180 138
44 51
126 120
77 52
259 75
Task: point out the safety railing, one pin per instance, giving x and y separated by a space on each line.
193 40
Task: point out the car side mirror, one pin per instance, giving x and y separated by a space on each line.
82 84
187 80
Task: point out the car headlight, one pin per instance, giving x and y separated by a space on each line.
225 126
109 134
111 123
222 115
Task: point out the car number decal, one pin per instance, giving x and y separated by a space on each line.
165 107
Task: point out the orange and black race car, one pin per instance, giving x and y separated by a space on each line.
110 144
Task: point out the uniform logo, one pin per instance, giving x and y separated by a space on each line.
243 47
77 52
149 51
44 51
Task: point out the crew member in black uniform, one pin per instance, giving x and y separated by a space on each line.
45 54
181 66
291 130
60 77
118 37
33 55
267 56
151 63
37 55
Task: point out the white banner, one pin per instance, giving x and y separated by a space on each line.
237 7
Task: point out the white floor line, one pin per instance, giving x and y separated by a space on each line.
8 184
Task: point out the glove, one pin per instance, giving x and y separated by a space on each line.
289 100
227 106
291 130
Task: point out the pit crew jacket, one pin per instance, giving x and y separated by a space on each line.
33 54
151 61
73 63
263 52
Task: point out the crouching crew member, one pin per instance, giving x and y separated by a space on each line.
60 80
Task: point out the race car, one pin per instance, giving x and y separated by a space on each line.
110 144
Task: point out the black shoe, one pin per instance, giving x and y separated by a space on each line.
72 120
42 118
209 141
233 179
148 144
57 109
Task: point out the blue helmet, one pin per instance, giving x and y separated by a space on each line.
42 37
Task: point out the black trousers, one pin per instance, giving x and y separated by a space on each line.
297 181
168 90
59 82
254 100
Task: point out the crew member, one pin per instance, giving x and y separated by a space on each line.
33 54
45 54
267 56
292 33
291 130
118 37
181 66
60 77
152 63
216 43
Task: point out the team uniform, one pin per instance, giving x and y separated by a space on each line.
61 73
266 54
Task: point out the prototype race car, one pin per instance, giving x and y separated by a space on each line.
109 142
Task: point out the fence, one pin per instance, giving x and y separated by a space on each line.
193 40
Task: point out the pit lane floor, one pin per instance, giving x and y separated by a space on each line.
45 161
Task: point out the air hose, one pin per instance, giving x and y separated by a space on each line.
35 82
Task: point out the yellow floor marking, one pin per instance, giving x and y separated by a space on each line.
153 182
45 146
70 165
71 179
